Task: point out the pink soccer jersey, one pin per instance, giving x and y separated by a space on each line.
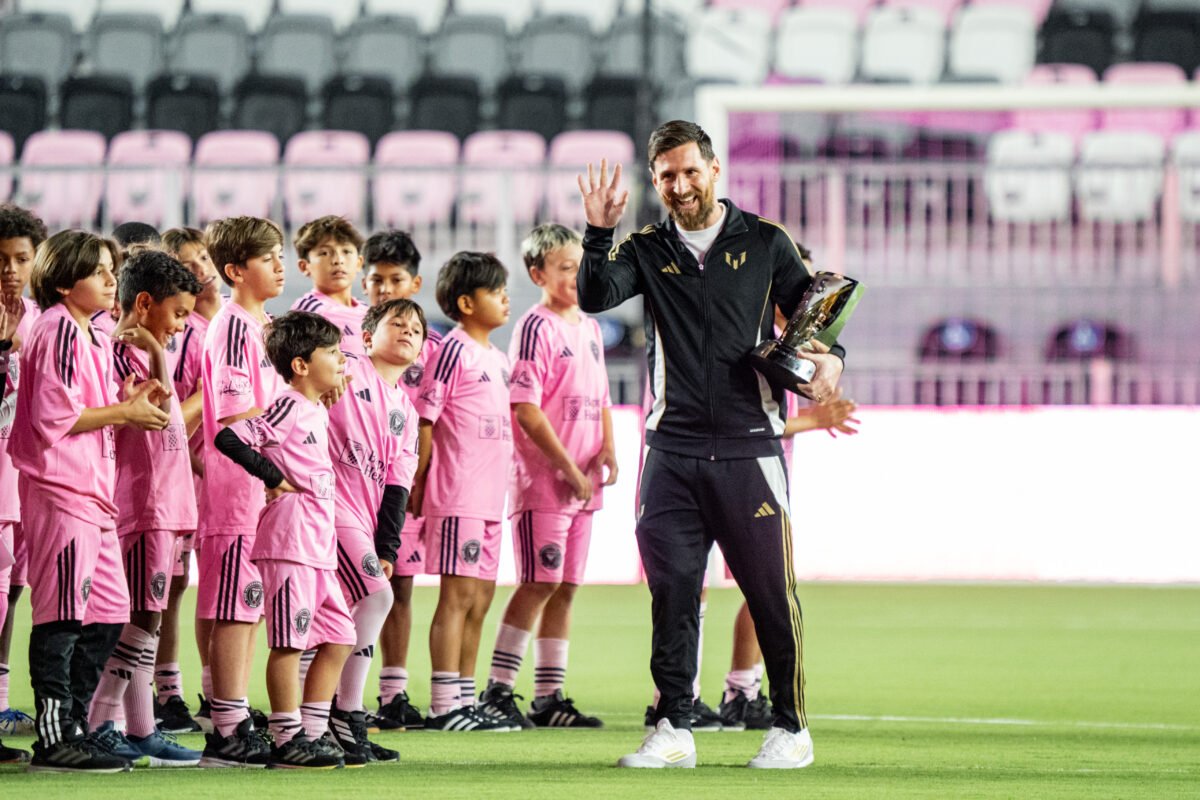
104 322
154 473
293 434
373 443
10 504
66 370
238 377
186 353
465 394
348 318
560 368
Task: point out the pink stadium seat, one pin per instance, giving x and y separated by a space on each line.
507 172
1165 121
1075 122
772 8
570 153
946 8
860 8
415 178
1039 8
308 194
7 151
150 195
63 198
223 193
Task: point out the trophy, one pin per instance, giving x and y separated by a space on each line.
821 315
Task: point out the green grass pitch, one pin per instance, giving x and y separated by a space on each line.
913 691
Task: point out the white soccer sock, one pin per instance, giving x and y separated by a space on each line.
369 614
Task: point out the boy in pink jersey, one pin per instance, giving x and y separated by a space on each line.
64 450
155 502
564 447
237 383
328 252
461 480
373 440
296 546
20 234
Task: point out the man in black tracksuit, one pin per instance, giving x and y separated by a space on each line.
710 277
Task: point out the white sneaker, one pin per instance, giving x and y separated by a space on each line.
665 747
783 749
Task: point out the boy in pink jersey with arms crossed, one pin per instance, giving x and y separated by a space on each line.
155 502
461 480
64 450
287 448
238 382
328 253
564 447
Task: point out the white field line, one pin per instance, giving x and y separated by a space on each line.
1148 726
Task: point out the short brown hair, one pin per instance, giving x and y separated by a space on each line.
676 133
333 227
175 239
400 307
63 260
236 240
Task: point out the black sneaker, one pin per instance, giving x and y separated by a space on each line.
173 716
758 714
704 718
466 718
203 715
396 715
304 753
733 713
498 701
79 755
245 747
349 730
13 755
261 721
556 711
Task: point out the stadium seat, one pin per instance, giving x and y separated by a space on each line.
1074 122
445 104
533 103
100 103
621 54
994 43
391 47
63 198
1085 339
427 13
214 45
612 104
129 45
728 45
946 9
557 46
818 44
1185 154
860 8
903 45
1168 35
1078 37
275 103
8 152
415 180
41 45
570 153
308 194
301 46
154 196
1120 176
186 103
1121 11
254 13
772 8
515 13
340 14
473 47
1028 175
167 11
1163 121
1037 8
22 107
362 103
506 173
250 189
598 13
681 9
80 12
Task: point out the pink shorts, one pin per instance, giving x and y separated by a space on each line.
79 574
148 560
6 556
551 547
410 558
358 571
462 546
305 606
20 551
184 546
230 589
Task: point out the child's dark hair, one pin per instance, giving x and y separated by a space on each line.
392 247
128 234
63 260
298 334
401 308
318 230
465 272
156 273
17 223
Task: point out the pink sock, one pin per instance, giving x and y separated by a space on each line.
392 681
107 701
550 666
466 691
139 695
699 652
206 683
168 680
3 687
511 644
314 718
443 693
369 615
740 681
284 725
228 714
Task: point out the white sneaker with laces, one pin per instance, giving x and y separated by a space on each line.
782 749
665 747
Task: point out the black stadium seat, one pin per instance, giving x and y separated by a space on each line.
533 103
1078 37
22 107
442 103
612 104
274 103
102 103
1172 37
187 103
362 103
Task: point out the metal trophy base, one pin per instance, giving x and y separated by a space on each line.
780 365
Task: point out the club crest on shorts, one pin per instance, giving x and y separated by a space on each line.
252 595
86 589
471 551
396 422
158 585
301 620
412 375
551 556
371 565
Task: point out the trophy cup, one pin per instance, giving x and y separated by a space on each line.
821 315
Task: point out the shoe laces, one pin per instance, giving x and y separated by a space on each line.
14 716
779 743
664 735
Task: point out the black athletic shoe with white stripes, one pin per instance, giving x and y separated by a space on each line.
13 755
499 702
245 747
300 752
79 755
466 718
556 711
